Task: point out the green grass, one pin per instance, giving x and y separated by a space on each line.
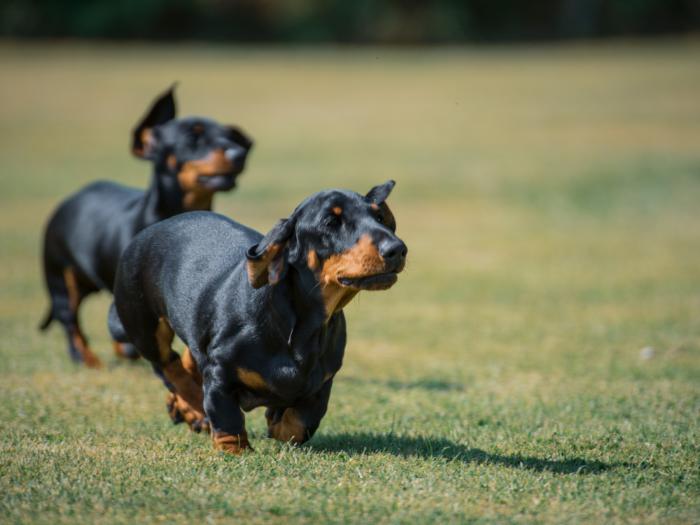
549 199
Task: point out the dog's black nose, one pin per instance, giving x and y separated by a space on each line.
393 251
235 155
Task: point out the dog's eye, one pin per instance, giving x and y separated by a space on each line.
379 219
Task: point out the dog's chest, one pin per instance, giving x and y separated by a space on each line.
282 381
288 374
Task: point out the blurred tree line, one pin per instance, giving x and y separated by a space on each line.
348 21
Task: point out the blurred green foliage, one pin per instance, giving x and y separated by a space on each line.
359 21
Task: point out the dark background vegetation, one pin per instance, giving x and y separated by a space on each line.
344 21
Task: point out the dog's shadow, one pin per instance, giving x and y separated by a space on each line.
427 448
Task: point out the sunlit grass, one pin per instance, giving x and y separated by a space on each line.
549 199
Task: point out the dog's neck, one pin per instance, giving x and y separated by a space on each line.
335 297
164 198
299 304
325 297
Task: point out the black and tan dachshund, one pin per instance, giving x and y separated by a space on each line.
261 316
192 159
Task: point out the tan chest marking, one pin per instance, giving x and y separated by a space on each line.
251 379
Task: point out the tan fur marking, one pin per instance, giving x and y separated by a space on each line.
251 379
189 364
374 206
361 260
189 399
171 404
74 300
336 297
146 137
89 358
312 260
119 351
194 201
194 419
74 297
289 428
188 394
171 161
164 338
196 197
337 210
257 270
231 443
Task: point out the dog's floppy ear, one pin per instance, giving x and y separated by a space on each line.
379 194
162 110
237 135
266 260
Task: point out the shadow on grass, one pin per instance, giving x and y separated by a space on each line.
427 448
434 385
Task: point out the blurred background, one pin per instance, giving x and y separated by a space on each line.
361 21
547 159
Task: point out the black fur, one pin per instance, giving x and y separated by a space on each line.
89 230
243 301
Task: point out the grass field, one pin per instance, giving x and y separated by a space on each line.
549 198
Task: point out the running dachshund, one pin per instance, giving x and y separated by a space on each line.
192 159
261 316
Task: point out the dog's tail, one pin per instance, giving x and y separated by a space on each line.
47 320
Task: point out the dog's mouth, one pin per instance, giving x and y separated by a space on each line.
380 281
218 181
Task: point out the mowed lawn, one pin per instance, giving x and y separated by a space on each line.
550 200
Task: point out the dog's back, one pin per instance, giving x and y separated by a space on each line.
192 159
71 238
195 252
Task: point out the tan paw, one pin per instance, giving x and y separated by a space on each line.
179 411
231 443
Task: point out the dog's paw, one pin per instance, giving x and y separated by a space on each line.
125 351
231 443
91 360
199 425
182 412
173 411
286 425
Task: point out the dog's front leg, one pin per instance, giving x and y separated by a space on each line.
224 413
298 423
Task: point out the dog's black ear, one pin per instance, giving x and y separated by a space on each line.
237 135
266 260
376 197
161 111
379 194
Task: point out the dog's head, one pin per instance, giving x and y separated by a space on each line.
201 155
346 240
